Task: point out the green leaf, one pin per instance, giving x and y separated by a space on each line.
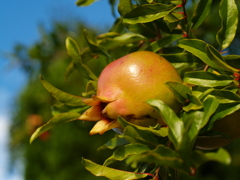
173 17
229 15
125 151
111 173
157 130
113 143
84 2
224 96
95 48
183 61
207 79
215 56
74 52
198 48
59 108
180 90
201 12
222 111
124 39
194 103
162 156
175 124
134 135
147 13
55 121
61 96
159 44
221 156
124 7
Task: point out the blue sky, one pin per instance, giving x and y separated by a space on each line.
19 21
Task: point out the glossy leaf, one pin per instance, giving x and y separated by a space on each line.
61 96
215 56
55 121
147 13
229 15
180 90
175 124
74 52
161 155
198 48
159 44
99 170
207 79
201 12
125 151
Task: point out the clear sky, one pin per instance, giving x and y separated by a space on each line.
19 21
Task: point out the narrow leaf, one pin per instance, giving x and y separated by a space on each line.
207 79
201 12
229 15
55 121
147 13
175 124
110 173
84 2
61 96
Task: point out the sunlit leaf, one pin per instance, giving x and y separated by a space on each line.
99 170
198 48
229 15
147 13
180 90
124 7
175 124
55 121
194 103
207 79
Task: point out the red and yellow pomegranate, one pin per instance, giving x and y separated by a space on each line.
124 86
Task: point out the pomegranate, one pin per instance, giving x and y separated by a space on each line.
123 87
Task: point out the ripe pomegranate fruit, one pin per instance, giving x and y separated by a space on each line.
124 86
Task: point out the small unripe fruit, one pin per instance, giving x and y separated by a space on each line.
124 86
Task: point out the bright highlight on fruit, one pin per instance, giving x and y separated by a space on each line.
124 86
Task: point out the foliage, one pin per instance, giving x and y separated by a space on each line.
209 93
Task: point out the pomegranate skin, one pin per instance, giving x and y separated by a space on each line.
127 83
